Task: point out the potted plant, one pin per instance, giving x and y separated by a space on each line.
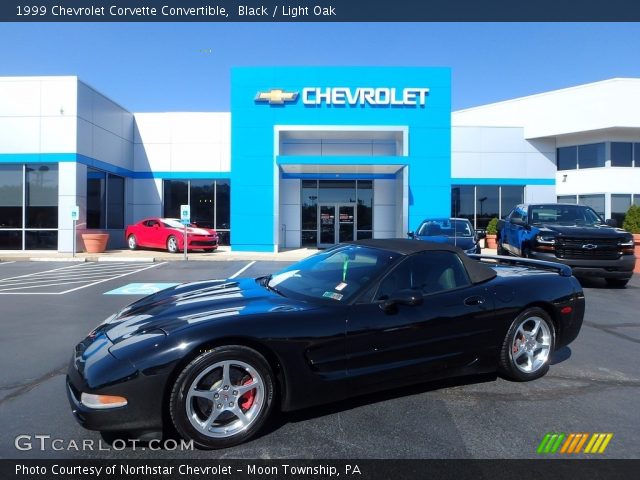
492 232
632 224
95 242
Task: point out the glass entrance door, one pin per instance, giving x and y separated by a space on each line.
336 223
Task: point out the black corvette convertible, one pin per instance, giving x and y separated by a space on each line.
216 359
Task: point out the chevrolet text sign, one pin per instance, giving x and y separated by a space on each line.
381 96
365 96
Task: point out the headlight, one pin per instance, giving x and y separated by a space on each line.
545 243
471 250
627 245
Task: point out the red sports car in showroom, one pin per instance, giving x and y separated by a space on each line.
169 233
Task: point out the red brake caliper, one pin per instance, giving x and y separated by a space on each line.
248 398
517 343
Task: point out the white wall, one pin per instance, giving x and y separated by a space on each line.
598 180
38 114
539 194
290 213
146 200
182 142
384 208
594 106
105 129
500 152
72 191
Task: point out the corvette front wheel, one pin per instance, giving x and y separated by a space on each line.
223 397
528 345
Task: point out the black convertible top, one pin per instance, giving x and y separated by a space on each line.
478 272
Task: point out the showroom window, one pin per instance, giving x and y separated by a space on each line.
619 206
29 207
567 158
462 202
591 156
621 154
481 203
594 201
105 200
567 199
210 202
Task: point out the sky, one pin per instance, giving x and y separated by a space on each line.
150 67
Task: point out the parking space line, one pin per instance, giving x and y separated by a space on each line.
7 263
67 276
113 278
85 278
38 273
22 287
242 269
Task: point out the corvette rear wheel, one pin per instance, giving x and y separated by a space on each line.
172 244
132 242
528 346
223 397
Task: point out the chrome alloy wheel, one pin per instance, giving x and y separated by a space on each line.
531 345
225 399
132 242
172 244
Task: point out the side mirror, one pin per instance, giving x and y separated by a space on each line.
481 235
407 297
612 222
410 234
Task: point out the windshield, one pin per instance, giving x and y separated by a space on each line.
174 223
336 275
445 227
564 215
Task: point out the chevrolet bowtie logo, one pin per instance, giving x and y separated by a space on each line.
276 96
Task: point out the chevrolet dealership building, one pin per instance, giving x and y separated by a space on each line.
307 156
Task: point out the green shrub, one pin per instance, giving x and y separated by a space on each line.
632 219
492 227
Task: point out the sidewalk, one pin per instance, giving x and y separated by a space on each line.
222 254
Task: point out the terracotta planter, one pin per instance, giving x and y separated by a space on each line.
95 242
636 251
491 241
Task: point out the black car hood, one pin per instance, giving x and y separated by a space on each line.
465 243
195 303
595 231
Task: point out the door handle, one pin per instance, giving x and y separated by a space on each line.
473 301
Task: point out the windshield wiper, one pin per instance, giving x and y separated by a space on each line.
266 285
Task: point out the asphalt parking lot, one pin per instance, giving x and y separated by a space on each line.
593 385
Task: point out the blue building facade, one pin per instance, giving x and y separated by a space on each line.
386 127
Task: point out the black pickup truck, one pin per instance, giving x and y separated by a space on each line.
574 235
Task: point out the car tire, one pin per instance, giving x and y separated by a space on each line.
527 346
225 411
132 242
172 244
501 250
617 282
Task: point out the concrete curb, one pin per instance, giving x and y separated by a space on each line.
127 259
50 259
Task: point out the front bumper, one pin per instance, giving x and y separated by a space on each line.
202 243
620 268
106 375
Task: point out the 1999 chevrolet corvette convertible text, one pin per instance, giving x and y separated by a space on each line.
216 359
